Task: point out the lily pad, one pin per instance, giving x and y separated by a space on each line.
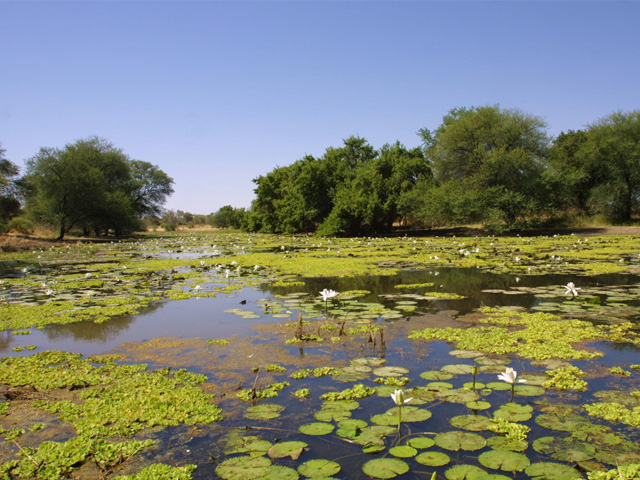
459 395
474 423
316 428
436 375
433 459
263 412
464 472
332 415
504 443
319 468
552 471
458 369
374 435
350 428
243 468
498 386
567 449
529 390
279 472
390 371
385 468
561 422
478 405
491 361
421 442
373 449
504 460
403 451
514 412
456 440
465 353
291 449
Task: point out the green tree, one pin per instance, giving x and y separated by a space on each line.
149 188
369 201
299 197
228 217
572 177
9 203
613 149
496 155
90 184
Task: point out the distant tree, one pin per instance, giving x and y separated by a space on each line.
150 187
571 174
369 201
91 184
299 197
613 149
9 203
497 156
228 217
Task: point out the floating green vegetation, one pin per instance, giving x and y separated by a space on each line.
414 286
566 378
615 413
269 391
622 472
99 405
530 335
358 391
161 471
54 460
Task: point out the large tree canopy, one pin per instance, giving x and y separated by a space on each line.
495 156
93 185
613 149
351 189
9 204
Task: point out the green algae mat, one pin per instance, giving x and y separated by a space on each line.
487 357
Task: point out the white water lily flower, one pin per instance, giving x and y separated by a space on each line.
510 376
571 288
398 397
327 294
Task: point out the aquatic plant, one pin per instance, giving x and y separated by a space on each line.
509 376
399 399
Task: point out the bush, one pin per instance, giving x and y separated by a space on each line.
170 226
21 225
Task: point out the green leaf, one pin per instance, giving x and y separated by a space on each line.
458 369
433 459
319 468
403 451
264 412
421 442
456 440
551 471
385 467
316 428
291 449
504 460
474 423
464 472
279 472
243 468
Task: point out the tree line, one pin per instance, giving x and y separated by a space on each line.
483 165
89 185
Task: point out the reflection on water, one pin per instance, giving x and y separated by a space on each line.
205 317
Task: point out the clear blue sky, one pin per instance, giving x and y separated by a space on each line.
217 93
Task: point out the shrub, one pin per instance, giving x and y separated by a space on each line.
21 225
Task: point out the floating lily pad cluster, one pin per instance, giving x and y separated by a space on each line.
336 421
